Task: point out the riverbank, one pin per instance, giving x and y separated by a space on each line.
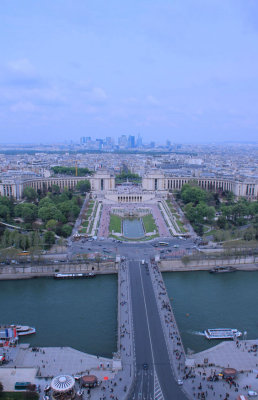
27 271
177 265
111 267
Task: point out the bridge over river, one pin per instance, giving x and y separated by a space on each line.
158 365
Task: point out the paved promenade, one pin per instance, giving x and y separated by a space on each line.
241 355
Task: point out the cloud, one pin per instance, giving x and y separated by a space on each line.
98 95
151 100
25 106
22 66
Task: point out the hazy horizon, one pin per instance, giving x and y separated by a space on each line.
182 71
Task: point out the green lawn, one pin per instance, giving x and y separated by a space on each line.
115 223
149 223
180 226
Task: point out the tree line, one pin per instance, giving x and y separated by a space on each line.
71 171
42 216
200 208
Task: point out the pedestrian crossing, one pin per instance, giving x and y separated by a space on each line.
158 395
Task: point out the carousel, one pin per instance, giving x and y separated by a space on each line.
63 387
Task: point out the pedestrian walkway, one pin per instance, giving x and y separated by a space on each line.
199 373
241 355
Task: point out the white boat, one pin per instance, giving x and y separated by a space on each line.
23 330
222 333
75 275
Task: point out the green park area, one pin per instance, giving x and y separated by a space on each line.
115 223
40 219
219 216
177 218
149 223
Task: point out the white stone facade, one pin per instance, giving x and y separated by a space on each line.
154 184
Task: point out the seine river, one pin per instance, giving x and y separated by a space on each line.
79 313
83 313
226 300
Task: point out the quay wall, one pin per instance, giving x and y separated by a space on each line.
28 271
244 264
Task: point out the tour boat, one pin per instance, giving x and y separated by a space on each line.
222 333
8 332
23 330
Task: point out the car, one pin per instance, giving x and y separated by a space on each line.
252 393
145 366
180 382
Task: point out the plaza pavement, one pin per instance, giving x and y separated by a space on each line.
195 384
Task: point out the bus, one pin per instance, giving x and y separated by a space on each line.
163 243
24 253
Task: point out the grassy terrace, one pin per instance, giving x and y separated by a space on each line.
149 223
177 217
115 223
86 216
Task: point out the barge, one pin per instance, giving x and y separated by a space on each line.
75 275
220 270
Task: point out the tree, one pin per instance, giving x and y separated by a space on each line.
83 186
45 202
51 212
55 189
4 212
27 211
249 234
49 238
29 194
51 225
1 388
66 230
193 194
71 171
222 222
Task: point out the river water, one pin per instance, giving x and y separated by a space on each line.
80 313
83 313
213 301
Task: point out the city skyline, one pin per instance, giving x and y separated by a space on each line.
101 69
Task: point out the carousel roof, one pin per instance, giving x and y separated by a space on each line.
62 383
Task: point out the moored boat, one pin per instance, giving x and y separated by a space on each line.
222 333
23 330
13 331
220 270
74 275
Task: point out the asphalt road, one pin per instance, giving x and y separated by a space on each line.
150 345
129 250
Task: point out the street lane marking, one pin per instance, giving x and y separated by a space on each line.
158 395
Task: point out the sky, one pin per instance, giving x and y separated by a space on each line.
186 71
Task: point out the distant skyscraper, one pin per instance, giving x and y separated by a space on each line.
139 141
122 141
168 143
152 145
100 143
85 139
131 142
